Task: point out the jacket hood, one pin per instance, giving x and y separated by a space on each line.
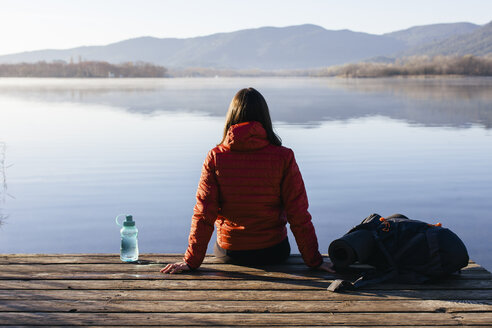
246 136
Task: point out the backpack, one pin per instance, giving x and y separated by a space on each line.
398 249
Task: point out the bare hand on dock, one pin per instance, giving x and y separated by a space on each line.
326 266
175 268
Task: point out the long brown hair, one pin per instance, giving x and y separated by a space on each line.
249 105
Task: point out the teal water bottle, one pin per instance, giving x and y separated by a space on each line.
129 242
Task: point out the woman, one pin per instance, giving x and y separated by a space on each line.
250 188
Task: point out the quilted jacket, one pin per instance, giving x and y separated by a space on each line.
250 189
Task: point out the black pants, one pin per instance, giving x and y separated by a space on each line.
271 255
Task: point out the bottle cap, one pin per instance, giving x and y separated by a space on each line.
129 221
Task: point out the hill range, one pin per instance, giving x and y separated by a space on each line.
276 48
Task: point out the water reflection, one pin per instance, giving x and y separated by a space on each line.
438 89
457 102
3 181
453 102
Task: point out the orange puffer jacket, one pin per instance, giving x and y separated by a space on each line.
250 189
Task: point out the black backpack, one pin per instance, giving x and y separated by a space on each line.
398 249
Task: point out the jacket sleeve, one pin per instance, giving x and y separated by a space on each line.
295 202
204 214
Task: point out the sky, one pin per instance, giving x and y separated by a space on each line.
27 25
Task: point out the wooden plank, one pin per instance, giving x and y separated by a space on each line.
210 271
107 258
242 319
382 306
163 284
268 326
114 259
120 267
169 284
470 296
29 268
156 275
40 255
202 275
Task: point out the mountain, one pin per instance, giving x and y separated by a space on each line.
477 42
419 35
274 48
269 48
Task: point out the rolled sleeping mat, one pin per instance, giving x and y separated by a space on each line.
355 246
452 251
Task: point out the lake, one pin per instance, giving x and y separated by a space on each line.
74 153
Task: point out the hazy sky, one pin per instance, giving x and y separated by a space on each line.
58 24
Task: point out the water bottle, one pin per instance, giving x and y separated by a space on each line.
129 242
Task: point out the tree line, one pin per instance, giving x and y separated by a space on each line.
414 66
468 65
85 69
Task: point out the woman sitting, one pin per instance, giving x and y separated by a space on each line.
250 187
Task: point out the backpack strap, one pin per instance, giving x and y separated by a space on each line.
369 278
415 240
340 285
435 264
383 249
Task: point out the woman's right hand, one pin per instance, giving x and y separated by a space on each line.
175 268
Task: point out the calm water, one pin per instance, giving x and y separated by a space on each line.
75 153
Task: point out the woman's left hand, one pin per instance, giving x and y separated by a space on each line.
326 266
175 268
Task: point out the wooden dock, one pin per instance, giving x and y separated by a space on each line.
99 290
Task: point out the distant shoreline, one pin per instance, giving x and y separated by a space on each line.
419 66
84 69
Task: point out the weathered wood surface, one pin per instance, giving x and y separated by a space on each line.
99 290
